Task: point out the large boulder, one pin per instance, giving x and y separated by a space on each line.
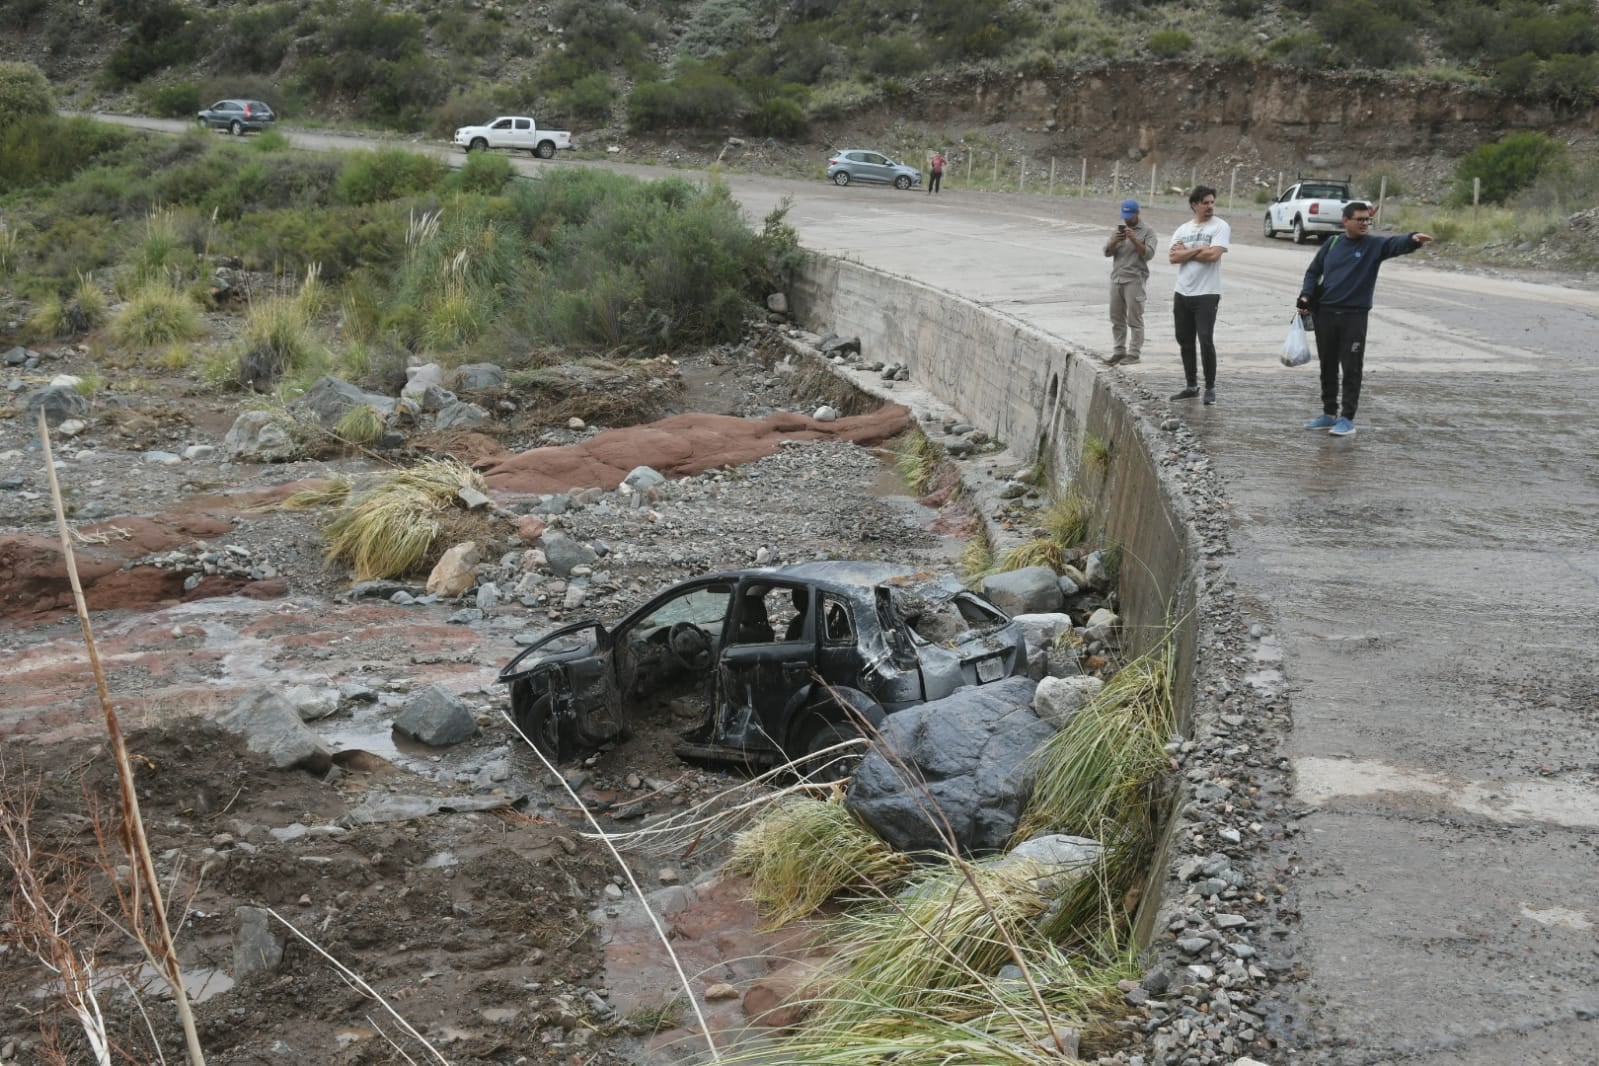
1058 699
270 725
1030 590
59 403
966 755
331 398
261 437
565 554
437 717
473 377
458 414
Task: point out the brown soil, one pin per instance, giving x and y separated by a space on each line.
484 929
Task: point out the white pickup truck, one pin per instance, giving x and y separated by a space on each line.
1312 205
516 132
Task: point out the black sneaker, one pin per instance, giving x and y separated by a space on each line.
1190 393
1210 396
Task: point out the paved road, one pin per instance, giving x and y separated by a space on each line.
1434 581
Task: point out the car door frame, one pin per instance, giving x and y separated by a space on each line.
761 685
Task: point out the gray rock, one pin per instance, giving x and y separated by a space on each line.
71 428
1042 629
833 344
257 944
18 356
642 477
826 413
59 403
1030 590
563 553
331 398
161 458
436 717
1068 587
488 597
437 398
1102 625
418 378
471 498
312 702
1058 699
1063 859
270 725
1096 571
196 452
471 377
777 302
969 751
261 437
466 616
460 415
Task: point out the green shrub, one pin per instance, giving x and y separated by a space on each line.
339 239
1370 184
895 56
24 93
1167 44
157 314
1569 81
403 93
1366 35
258 38
697 98
166 34
46 150
717 27
180 100
1505 167
367 30
778 117
587 100
482 173
387 174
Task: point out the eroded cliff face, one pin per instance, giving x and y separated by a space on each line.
1180 114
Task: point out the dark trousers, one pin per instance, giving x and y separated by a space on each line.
933 180
1341 345
1195 319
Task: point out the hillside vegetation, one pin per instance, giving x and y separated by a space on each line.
764 67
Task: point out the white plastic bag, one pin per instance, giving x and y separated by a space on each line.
1296 349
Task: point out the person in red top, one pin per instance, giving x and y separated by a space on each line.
936 165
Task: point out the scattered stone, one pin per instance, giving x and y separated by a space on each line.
455 572
270 725
472 377
59 403
1030 590
1058 699
261 437
257 943
436 717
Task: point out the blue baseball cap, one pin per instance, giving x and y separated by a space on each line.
1129 208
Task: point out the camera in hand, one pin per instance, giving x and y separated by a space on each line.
1122 228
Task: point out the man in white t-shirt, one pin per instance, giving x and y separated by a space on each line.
1196 251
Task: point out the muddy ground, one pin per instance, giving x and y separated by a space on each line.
479 927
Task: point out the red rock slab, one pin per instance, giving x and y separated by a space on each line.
677 447
33 570
194 658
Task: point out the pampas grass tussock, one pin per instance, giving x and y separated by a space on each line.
805 851
391 530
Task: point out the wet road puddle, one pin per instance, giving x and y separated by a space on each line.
1555 802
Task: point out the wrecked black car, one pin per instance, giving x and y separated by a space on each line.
788 660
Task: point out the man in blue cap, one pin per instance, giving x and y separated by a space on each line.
1129 250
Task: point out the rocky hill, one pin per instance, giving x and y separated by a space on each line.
1261 85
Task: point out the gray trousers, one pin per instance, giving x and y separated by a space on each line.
1127 316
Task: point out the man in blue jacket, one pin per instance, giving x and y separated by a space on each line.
1338 289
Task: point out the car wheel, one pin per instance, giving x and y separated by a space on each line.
1270 233
478 145
545 150
834 765
902 182
1300 236
540 725
841 179
236 128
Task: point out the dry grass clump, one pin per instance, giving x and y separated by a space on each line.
1041 551
392 530
157 314
805 851
1104 776
361 425
1096 454
332 494
1066 519
977 557
917 461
